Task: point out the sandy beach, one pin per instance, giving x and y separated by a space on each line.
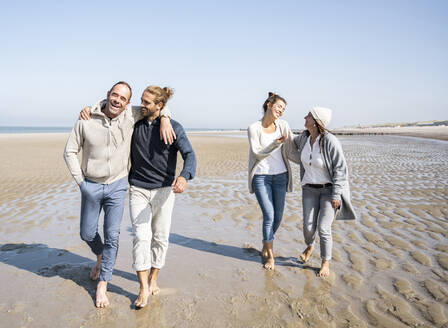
389 268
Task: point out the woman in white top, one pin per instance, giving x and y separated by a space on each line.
271 145
325 188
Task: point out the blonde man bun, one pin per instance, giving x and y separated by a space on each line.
161 95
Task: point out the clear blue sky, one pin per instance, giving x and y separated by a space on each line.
370 61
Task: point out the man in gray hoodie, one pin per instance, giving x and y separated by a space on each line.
102 175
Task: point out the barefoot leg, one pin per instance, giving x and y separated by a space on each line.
306 254
269 264
96 269
101 299
142 299
264 253
153 288
324 269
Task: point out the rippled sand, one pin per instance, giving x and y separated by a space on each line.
390 268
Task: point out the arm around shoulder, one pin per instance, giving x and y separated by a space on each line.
167 133
290 147
166 112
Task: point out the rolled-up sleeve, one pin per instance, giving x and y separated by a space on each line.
291 149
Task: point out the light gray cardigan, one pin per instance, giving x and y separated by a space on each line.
337 168
258 153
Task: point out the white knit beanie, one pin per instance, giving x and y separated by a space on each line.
322 115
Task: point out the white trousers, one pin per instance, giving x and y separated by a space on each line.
151 212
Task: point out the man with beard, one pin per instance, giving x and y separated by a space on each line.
152 186
101 176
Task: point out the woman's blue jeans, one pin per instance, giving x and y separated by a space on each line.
270 191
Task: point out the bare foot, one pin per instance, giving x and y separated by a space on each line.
305 256
101 299
96 269
264 255
324 270
269 264
153 288
142 299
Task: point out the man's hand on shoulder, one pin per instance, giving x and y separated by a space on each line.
179 185
167 133
85 113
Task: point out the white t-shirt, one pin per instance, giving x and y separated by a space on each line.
315 170
273 164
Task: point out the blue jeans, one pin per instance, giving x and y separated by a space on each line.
270 191
110 198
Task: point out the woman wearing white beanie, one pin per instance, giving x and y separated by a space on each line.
325 187
270 176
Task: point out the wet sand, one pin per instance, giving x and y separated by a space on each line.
389 268
431 132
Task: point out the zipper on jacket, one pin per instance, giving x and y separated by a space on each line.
108 145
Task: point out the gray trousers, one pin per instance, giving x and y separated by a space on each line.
318 215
